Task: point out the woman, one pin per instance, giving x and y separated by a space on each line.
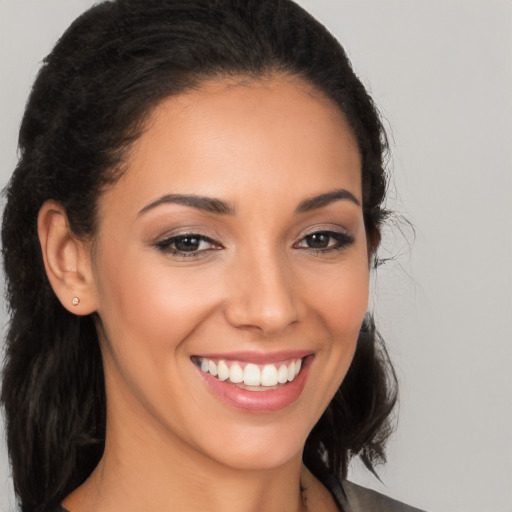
187 243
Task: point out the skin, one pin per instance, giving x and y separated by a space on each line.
263 148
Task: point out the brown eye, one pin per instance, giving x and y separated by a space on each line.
187 243
192 244
318 240
324 241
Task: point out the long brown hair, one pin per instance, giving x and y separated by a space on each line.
111 67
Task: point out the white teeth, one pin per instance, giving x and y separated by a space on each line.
298 365
291 371
252 375
236 374
269 375
282 374
223 370
212 368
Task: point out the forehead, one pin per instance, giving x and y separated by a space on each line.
230 137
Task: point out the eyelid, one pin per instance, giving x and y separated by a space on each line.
187 234
164 244
344 239
185 231
324 228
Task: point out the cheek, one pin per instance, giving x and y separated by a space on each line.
343 303
343 299
150 307
148 312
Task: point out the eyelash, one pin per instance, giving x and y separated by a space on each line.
166 245
342 241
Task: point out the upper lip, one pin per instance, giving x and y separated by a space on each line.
257 357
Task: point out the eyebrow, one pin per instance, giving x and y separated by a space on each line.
217 206
322 200
206 204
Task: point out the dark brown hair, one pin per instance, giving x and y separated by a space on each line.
107 72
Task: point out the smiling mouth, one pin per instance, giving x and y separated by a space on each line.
249 376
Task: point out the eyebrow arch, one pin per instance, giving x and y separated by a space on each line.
206 204
322 200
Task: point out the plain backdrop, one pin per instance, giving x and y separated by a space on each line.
441 73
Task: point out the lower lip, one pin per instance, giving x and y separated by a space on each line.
259 401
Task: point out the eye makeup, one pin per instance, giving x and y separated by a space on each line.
186 245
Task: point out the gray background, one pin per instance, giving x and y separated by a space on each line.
441 72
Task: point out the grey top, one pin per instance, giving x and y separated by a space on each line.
352 498
355 498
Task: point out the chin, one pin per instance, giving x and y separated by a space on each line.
258 448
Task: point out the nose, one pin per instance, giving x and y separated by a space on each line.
262 295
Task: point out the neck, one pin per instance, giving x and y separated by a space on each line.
143 473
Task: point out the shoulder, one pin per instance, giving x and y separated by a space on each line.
361 499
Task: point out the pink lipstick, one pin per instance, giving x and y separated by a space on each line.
255 382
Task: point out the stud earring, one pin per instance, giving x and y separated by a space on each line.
75 301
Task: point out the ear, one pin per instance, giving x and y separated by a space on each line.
67 260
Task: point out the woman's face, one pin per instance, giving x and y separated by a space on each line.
231 249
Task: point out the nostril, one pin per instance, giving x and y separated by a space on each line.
263 298
265 319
